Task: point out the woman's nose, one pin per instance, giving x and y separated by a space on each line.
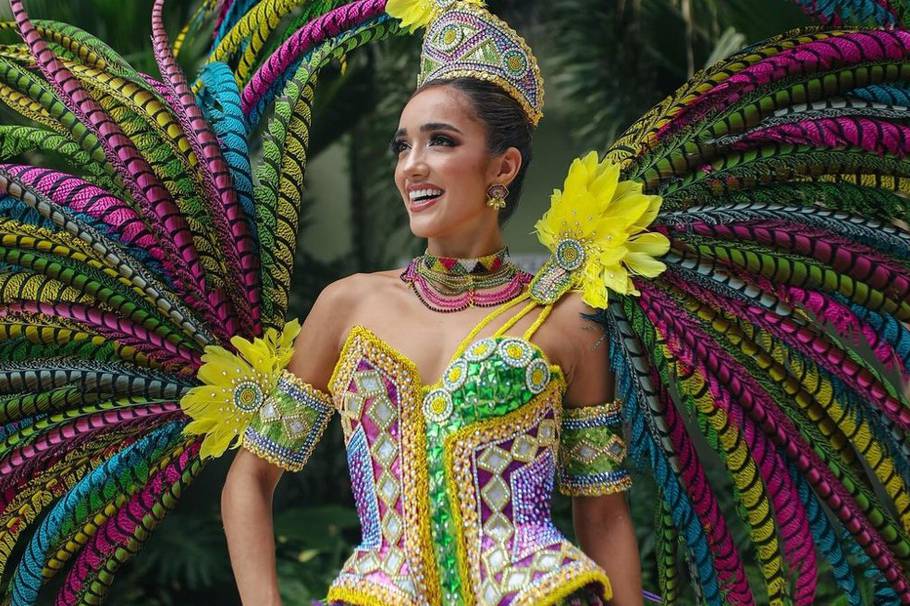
415 164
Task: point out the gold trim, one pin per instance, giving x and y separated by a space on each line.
367 594
318 428
534 114
267 456
317 393
596 490
564 582
595 410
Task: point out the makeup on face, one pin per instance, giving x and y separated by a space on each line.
442 161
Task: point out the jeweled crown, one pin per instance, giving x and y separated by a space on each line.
463 39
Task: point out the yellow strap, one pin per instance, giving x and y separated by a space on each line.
514 319
541 318
489 318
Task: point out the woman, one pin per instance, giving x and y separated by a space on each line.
778 174
455 139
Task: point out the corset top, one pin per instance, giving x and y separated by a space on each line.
452 481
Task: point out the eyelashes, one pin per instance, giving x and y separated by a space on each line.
399 145
396 146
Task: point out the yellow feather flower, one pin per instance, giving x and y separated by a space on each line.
595 229
234 387
415 14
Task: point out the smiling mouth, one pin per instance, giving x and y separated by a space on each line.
422 199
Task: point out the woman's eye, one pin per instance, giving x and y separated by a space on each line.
441 140
397 146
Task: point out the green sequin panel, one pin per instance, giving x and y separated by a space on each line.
492 388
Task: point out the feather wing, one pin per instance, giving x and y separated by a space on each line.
783 172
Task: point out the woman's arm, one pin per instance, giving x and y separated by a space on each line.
246 500
246 509
604 530
602 524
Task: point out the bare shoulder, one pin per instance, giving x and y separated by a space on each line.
341 298
321 337
571 316
586 354
344 302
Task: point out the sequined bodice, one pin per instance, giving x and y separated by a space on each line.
452 481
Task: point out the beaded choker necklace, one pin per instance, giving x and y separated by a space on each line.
449 284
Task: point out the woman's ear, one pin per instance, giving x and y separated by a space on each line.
506 166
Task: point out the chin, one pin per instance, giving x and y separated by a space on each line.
425 224
421 228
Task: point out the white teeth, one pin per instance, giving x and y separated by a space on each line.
420 193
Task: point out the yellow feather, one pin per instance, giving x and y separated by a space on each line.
608 217
415 14
212 405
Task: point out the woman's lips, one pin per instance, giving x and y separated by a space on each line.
424 204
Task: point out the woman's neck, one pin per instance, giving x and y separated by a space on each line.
466 247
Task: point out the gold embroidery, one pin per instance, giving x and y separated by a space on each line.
460 475
562 582
360 592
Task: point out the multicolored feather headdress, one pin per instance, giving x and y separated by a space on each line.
463 39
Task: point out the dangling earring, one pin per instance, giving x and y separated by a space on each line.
496 196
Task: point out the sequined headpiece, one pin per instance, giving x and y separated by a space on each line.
463 39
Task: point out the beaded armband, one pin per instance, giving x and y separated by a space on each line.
246 397
289 424
592 451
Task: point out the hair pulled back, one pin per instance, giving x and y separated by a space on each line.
505 123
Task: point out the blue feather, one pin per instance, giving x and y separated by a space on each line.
825 538
219 99
644 446
886 327
15 209
234 13
854 12
28 578
890 94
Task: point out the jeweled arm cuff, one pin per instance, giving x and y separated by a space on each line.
289 423
592 451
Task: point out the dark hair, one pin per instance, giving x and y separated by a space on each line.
506 125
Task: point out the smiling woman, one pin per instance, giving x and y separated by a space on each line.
506 126
704 288
453 478
447 159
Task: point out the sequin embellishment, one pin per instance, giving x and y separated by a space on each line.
481 350
537 376
289 424
455 376
515 352
248 396
592 451
487 433
437 405
570 254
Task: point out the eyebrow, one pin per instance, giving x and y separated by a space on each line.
429 127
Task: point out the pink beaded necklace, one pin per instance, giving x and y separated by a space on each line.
449 284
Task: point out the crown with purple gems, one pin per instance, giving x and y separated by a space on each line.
463 39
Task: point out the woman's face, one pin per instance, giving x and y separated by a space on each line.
444 167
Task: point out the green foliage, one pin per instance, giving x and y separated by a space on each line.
613 60
377 214
313 543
